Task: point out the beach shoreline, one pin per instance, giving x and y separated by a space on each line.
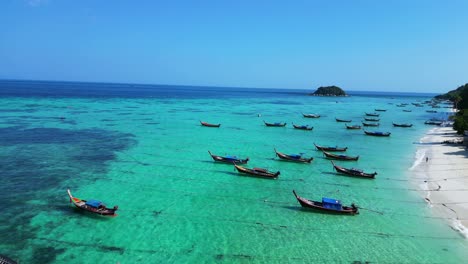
443 172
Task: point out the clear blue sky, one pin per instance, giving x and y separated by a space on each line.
407 45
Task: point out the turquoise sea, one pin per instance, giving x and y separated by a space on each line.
141 147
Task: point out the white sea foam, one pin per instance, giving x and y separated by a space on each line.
457 225
419 157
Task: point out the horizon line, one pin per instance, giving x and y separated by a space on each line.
209 86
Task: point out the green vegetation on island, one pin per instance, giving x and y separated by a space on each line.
329 91
459 97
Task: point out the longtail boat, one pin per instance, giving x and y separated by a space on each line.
336 148
353 172
353 126
228 159
402 125
275 124
372 114
257 172
377 133
293 157
328 205
93 206
305 127
433 122
339 157
406 110
343 120
209 125
310 115
372 119
380 110
370 124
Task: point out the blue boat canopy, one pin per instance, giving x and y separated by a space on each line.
230 157
94 203
331 203
295 156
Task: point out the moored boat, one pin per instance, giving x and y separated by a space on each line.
92 206
257 172
433 122
209 125
406 110
377 133
293 157
370 124
340 157
402 125
328 205
372 114
275 124
303 127
331 148
353 126
310 115
228 159
380 110
353 172
343 120
372 119
431 111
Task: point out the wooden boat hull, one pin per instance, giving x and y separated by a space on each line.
334 149
209 125
317 206
353 127
274 124
372 114
310 115
340 157
81 204
228 160
303 127
371 124
372 119
375 134
256 173
402 125
353 173
292 159
343 120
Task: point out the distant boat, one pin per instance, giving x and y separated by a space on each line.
380 110
433 122
370 124
340 157
406 110
353 126
209 125
372 114
377 133
92 206
328 205
431 111
228 159
310 115
293 157
343 120
302 127
336 148
353 172
257 172
402 125
275 124
372 119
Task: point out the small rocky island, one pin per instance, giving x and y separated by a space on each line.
329 91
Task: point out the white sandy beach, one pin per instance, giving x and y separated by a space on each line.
446 172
